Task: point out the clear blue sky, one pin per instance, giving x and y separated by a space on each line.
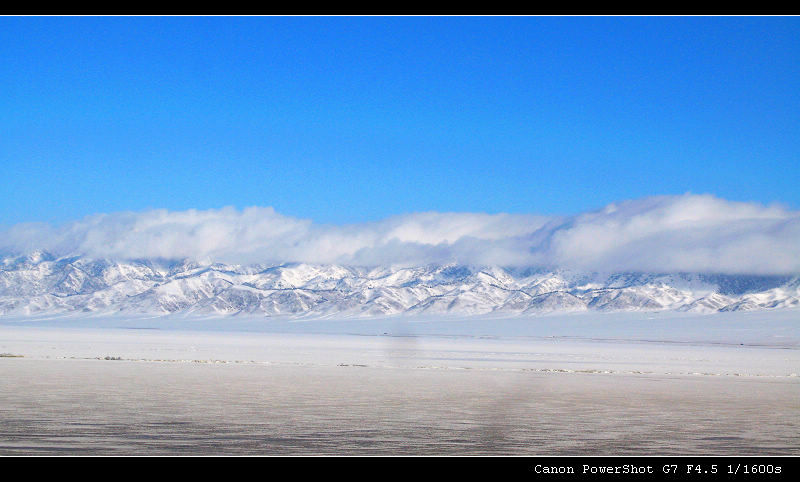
354 119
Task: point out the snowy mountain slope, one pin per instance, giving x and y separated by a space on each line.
41 283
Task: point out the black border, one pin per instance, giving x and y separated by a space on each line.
507 469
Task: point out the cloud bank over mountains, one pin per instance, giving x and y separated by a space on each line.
687 233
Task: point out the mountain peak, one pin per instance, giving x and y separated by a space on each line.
32 284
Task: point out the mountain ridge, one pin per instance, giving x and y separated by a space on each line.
41 283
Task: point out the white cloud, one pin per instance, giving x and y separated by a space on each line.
679 233
666 233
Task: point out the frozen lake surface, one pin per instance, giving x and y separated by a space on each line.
551 386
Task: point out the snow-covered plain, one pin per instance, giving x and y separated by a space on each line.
731 344
370 386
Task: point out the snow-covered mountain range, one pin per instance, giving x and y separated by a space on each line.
40 283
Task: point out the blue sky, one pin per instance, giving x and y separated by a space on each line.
345 120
